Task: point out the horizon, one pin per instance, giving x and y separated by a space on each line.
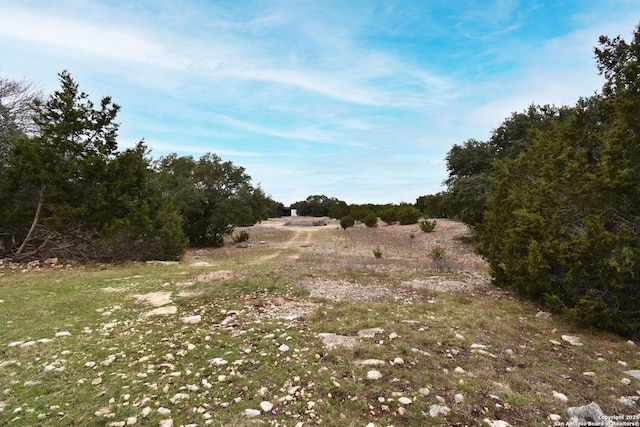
359 100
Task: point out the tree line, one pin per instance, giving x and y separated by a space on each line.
554 198
66 191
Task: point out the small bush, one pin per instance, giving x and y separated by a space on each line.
348 221
243 236
438 253
426 225
439 259
377 252
408 214
371 220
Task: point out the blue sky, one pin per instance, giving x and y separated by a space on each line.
355 99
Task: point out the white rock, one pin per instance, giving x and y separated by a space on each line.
554 417
439 411
132 420
164 411
266 406
146 411
393 336
15 343
181 396
560 396
459 370
63 334
635 373
374 375
625 381
405 400
476 346
573 340
589 374
191 320
459 398
218 361
251 413
166 423
424 391
495 423
398 361
631 343
622 363
371 362
283 348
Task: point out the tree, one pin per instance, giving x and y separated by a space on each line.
563 219
470 164
73 196
213 196
320 205
16 98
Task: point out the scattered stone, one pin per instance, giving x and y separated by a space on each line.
582 415
283 348
635 373
164 411
161 311
573 340
424 391
629 402
370 333
439 411
543 315
555 342
166 423
589 374
459 371
191 320
560 396
371 362
459 398
27 344
554 417
405 400
475 346
625 381
154 299
51 262
374 375
251 413
266 406
157 262
398 361
63 334
629 343
333 341
495 423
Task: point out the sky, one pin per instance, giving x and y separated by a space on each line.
360 100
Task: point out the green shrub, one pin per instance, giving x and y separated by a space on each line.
377 252
243 236
371 220
349 221
408 214
426 225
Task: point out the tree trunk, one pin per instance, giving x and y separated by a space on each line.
34 224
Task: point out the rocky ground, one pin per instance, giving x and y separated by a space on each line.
344 339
